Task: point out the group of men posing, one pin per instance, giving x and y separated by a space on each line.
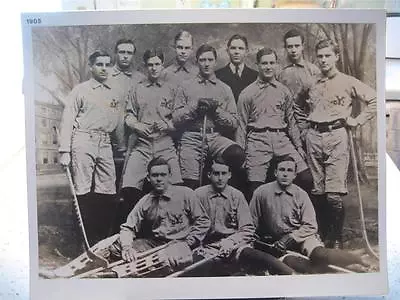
175 124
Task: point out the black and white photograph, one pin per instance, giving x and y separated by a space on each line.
222 147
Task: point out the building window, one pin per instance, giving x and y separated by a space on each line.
45 158
44 140
54 136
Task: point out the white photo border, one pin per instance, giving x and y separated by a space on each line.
203 288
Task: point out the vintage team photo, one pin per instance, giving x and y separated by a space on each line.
203 150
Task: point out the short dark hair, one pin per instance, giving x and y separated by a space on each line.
96 54
124 41
265 51
158 161
238 37
327 43
283 158
205 48
183 34
218 160
292 33
149 53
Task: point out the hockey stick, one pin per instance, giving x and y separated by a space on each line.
109 268
93 256
203 150
194 266
360 202
204 261
271 248
101 261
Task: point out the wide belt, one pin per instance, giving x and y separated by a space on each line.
265 129
92 131
328 126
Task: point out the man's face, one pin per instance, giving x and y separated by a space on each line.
159 178
207 63
183 49
267 66
125 55
326 59
285 173
294 48
237 51
219 176
154 67
100 68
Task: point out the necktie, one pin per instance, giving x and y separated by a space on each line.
237 72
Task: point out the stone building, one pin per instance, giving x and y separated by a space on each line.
48 118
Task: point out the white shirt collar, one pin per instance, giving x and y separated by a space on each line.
233 68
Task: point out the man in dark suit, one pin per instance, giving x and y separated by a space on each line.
236 74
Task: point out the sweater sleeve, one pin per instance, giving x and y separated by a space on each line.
133 223
73 104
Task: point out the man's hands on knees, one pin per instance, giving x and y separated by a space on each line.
65 159
285 243
226 247
179 254
129 254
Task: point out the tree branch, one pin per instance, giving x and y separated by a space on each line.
52 93
63 81
363 52
325 31
355 50
347 61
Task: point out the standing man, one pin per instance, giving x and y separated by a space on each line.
167 213
298 75
236 74
330 106
232 231
123 77
205 103
267 124
149 116
182 68
123 72
91 113
284 215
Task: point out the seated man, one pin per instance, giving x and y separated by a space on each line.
283 212
232 230
167 213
